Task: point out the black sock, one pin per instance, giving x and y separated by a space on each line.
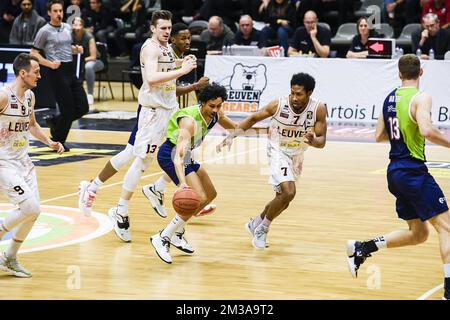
369 246
447 288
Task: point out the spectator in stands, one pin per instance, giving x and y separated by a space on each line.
401 12
92 63
247 35
228 10
311 38
135 22
431 37
26 25
9 10
344 7
217 35
279 16
359 47
99 20
441 8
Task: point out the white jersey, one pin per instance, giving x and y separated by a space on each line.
15 126
287 128
164 94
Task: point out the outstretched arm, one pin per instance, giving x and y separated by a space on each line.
186 132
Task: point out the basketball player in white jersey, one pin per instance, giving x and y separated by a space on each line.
17 173
157 96
297 122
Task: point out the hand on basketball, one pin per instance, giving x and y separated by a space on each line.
228 141
57 146
184 185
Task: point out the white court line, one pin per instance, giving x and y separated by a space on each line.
427 294
151 175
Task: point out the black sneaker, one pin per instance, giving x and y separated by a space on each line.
446 289
356 256
66 148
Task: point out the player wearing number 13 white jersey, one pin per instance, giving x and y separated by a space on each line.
157 97
297 121
17 173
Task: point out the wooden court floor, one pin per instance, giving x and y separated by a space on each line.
341 195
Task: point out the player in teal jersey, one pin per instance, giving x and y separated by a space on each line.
186 130
406 122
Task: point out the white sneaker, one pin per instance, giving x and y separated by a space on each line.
250 227
156 199
179 241
260 236
162 246
86 198
121 224
12 266
208 209
90 99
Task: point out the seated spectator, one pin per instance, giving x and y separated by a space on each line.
344 8
217 35
247 35
228 10
431 37
92 63
401 12
26 25
279 16
311 38
99 20
441 8
135 22
359 47
9 10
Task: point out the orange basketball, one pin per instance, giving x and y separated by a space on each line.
185 201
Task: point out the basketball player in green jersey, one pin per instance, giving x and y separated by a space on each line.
186 131
406 122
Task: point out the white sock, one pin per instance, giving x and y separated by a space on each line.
13 248
160 184
257 220
447 270
95 184
380 242
266 222
122 207
173 226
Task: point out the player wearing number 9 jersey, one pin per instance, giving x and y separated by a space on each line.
17 173
406 122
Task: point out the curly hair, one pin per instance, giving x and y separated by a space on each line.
211 92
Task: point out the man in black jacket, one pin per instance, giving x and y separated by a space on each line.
431 37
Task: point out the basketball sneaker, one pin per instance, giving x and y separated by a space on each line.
12 266
156 199
179 241
208 209
356 256
250 227
162 247
121 224
260 236
85 198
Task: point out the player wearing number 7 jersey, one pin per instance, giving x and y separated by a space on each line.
297 122
406 122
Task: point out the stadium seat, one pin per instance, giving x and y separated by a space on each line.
363 12
405 37
344 34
